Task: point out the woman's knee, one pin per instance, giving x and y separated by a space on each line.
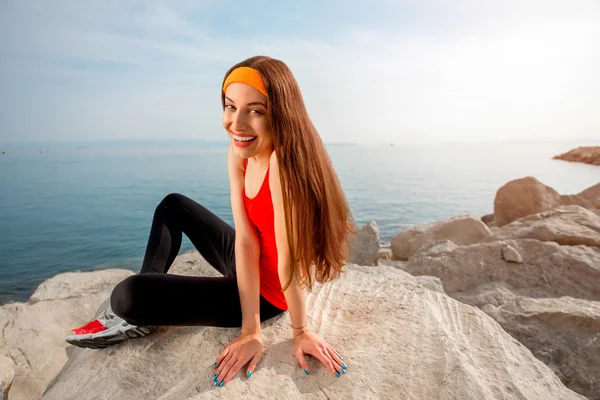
125 298
172 201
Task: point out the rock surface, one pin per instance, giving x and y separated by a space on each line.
510 254
550 301
526 196
33 333
522 197
566 225
591 194
588 155
461 230
399 340
7 374
365 245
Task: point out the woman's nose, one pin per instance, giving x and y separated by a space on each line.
238 121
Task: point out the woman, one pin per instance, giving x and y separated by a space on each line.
292 222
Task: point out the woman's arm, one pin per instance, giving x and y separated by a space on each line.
305 342
247 248
294 294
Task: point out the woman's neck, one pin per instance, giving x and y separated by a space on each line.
263 159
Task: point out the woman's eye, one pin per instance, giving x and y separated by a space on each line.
255 111
229 106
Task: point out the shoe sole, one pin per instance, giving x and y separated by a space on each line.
110 337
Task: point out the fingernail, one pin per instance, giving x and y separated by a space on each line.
249 373
222 382
337 374
344 365
216 383
215 377
306 371
215 365
343 371
341 358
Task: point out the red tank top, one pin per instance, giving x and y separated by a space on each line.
260 212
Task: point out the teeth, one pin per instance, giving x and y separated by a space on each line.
244 139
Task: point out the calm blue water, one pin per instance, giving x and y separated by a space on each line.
91 208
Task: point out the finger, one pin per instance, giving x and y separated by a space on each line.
227 361
223 354
227 365
326 360
252 364
232 371
339 364
302 360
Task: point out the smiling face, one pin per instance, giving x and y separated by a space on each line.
246 121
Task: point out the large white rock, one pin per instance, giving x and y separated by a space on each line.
365 244
461 230
399 339
549 301
7 374
567 225
33 333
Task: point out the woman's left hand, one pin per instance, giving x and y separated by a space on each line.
311 343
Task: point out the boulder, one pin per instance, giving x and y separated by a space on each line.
461 230
565 225
488 219
364 245
510 254
588 155
33 333
436 249
384 254
522 197
549 301
591 194
563 332
398 338
7 374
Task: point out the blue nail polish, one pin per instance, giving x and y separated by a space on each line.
341 358
249 374
343 371
306 371
344 365
215 365
215 377
216 383
337 374
222 382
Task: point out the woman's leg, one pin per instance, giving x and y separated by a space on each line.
177 214
152 299
166 299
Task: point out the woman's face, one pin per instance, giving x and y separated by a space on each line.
246 121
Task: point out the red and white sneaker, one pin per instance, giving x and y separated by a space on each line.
106 330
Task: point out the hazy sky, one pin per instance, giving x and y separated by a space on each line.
397 71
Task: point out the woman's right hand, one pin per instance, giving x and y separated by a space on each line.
245 348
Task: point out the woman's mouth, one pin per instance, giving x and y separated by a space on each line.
243 141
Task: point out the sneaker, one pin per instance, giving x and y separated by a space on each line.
106 330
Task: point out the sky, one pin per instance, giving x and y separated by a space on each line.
378 71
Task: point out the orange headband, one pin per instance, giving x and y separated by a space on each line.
246 75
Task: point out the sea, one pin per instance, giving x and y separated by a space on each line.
89 206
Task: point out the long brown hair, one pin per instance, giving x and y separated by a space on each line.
318 218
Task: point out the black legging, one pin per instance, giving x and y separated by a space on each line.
154 297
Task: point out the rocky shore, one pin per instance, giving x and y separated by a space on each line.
505 306
588 155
